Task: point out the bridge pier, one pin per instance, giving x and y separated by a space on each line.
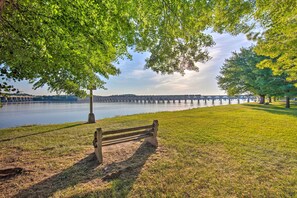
158 99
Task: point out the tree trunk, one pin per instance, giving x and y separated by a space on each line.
269 99
262 99
287 102
274 99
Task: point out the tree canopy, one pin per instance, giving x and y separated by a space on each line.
278 40
239 74
71 45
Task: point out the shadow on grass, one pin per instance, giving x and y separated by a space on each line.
42 132
280 110
123 175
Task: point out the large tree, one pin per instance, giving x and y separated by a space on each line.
239 75
278 40
71 45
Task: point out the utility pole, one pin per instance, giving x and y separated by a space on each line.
91 118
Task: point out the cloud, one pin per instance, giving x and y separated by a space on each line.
137 80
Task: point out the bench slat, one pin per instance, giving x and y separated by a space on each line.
127 139
126 130
126 135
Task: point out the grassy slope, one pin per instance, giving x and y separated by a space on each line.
237 150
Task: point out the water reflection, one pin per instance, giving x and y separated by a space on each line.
18 114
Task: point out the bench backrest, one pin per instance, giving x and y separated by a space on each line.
149 132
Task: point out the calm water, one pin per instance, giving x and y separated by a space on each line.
12 115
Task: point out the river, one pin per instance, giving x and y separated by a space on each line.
19 114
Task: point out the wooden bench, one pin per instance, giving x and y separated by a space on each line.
106 138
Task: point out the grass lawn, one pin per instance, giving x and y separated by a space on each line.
246 150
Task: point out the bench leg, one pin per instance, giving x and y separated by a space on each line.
98 145
153 140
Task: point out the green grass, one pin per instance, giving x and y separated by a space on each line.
244 150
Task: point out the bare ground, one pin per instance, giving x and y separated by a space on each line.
41 176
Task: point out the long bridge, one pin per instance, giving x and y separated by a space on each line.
16 98
171 98
131 98
12 98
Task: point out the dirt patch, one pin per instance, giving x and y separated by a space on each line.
116 174
47 176
8 173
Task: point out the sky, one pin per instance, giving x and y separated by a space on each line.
134 79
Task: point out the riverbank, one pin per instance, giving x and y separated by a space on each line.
236 150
